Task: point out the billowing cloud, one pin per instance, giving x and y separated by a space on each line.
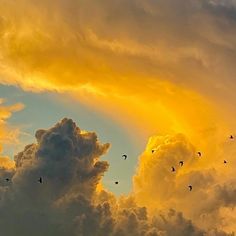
128 55
68 202
169 42
165 66
213 191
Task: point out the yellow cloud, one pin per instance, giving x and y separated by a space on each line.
157 82
8 135
157 187
6 163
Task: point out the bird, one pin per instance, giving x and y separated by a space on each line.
231 137
225 162
190 187
125 156
199 154
40 180
181 163
116 182
173 169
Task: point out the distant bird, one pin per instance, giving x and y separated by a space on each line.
40 180
181 163
225 162
199 154
116 182
190 187
7 179
173 169
231 137
125 156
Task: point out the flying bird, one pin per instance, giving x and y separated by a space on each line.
199 154
173 169
125 156
181 163
116 182
40 180
190 187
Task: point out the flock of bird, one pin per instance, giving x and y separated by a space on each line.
181 163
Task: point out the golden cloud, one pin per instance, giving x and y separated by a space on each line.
8 135
158 187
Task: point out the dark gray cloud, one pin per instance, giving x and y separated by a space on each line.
67 161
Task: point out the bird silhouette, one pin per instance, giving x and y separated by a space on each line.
181 163
190 187
231 137
40 180
116 182
225 162
173 169
125 156
199 154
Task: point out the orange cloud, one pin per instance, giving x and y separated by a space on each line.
8 135
157 82
213 194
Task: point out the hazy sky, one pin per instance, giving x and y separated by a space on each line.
142 75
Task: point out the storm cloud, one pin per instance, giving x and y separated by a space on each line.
69 202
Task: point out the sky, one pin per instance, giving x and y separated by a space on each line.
83 82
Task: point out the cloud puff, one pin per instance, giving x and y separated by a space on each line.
8 135
67 161
68 202
212 193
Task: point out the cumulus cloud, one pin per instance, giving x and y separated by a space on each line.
213 187
68 201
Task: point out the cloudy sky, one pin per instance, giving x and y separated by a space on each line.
152 79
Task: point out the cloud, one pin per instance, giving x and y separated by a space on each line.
130 54
149 39
6 163
8 134
67 160
213 186
68 202
170 61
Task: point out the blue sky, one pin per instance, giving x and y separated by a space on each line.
42 110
